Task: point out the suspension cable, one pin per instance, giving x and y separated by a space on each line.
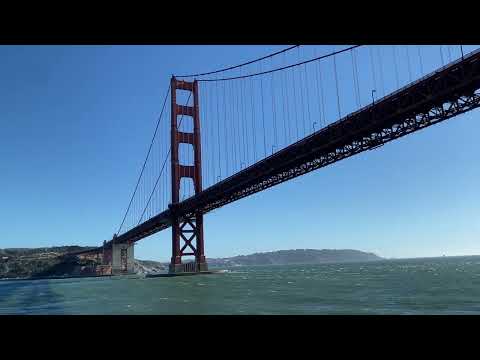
163 166
237 66
155 186
217 79
336 88
284 67
145 162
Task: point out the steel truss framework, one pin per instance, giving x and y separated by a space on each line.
189 230
448 92
375 140
441 95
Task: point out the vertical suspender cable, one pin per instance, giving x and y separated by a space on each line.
212 139
336 88
282 85
252 98
358 78
226 128
287 102
381 70
218 134
396 67
409 66
295 102
318 90
273 111
244 121
306 78
324 116
373 68
234 131
301 95
354 76
241 148
263 116
420 58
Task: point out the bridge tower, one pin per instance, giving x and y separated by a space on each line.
187 229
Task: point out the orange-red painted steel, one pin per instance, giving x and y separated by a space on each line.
195 220
445 93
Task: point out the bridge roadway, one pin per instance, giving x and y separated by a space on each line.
440 95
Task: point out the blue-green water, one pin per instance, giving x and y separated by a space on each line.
419 286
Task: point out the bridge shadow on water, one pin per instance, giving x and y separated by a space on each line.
30 297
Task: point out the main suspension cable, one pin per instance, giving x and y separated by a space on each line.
163 166
237 66
284 67
145 162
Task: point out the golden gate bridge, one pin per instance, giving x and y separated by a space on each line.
227 134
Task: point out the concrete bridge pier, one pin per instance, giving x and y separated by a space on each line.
119 257
122 259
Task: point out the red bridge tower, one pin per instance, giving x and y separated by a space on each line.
189 227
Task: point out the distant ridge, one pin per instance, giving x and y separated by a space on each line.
48 261
298 256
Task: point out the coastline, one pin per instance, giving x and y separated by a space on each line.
53 277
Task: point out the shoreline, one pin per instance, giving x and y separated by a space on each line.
54 277
215 268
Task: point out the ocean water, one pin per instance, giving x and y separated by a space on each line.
417 286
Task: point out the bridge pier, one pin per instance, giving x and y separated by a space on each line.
122 259
119 257
189 227
188 230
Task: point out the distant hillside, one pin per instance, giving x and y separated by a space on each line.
45 262
17 252
300 256
41 262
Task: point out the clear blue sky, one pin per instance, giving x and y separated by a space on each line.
76 122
